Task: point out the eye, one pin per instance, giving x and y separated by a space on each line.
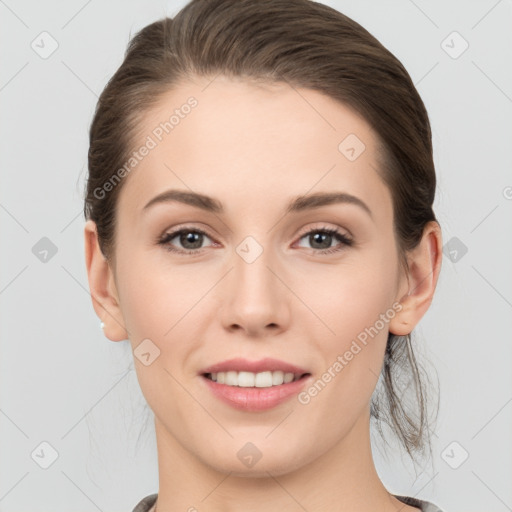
191 240
324 236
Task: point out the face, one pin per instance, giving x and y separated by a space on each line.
264 275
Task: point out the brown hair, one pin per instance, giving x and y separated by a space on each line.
305 44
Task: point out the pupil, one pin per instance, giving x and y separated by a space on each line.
320 235
191 238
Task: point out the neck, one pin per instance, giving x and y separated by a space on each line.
343 479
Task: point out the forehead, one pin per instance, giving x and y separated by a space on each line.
246 143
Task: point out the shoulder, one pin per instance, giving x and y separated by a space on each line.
146 504
424 506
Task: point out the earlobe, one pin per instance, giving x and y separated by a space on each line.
102 287
424 263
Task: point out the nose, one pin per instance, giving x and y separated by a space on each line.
256 300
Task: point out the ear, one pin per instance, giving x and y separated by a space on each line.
417 288
103 289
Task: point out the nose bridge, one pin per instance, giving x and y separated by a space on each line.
252 261
256 294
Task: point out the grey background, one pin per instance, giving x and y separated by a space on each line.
63 383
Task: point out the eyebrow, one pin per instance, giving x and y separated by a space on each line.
297 204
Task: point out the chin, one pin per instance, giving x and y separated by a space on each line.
249 462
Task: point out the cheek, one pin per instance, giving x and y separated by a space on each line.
141 300
152 298
352 357
355 303
350 298
164 305
154 307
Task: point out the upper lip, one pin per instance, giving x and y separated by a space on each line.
263 365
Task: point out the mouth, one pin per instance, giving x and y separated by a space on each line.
254 385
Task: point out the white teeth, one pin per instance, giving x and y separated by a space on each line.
277 378
251 380
264 380
245 379
288 377
231 379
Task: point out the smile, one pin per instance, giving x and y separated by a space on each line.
250 380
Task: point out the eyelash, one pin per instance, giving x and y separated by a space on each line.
167 237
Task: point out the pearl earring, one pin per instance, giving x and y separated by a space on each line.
102 325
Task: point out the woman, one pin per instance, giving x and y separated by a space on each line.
260 227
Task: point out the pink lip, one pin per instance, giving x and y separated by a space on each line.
255 399
263 365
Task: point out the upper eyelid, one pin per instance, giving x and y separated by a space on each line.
339 230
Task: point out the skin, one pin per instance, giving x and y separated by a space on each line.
254 148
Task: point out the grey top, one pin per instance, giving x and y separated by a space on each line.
147 504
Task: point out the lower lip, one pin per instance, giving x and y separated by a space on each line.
255 399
